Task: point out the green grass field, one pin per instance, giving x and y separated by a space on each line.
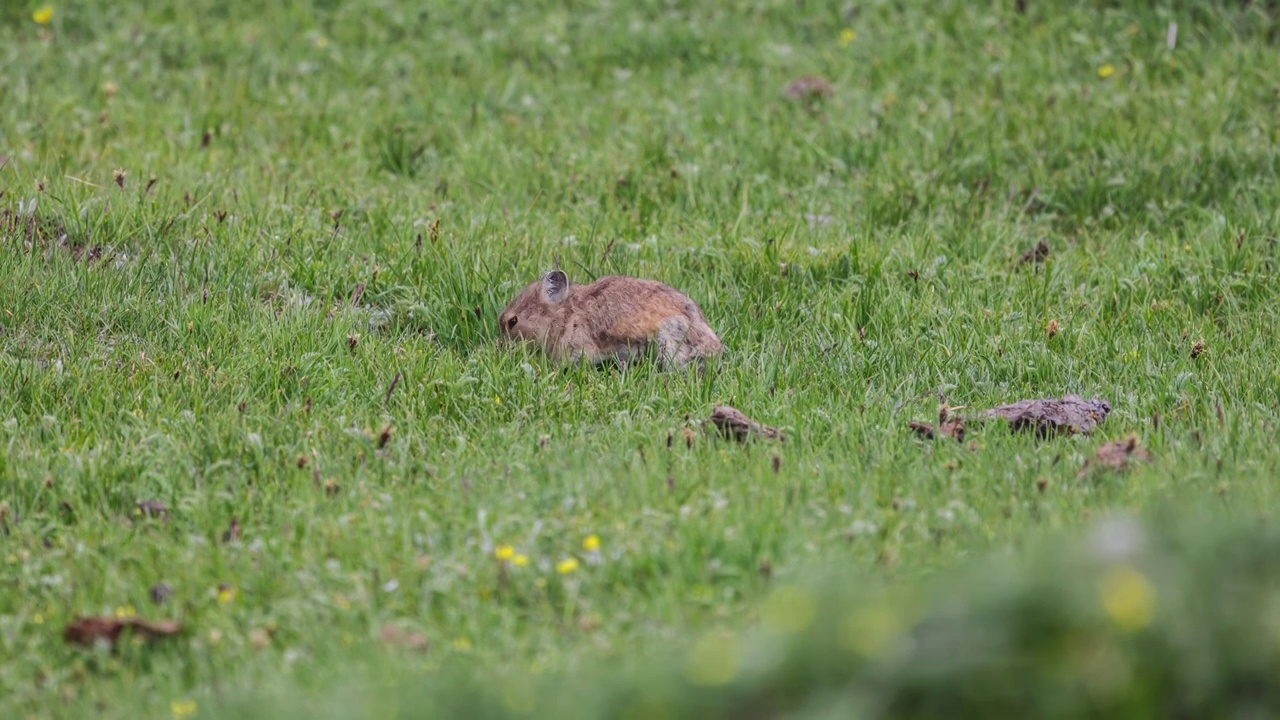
251 260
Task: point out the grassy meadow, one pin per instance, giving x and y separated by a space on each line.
252 257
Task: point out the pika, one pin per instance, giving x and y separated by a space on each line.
616 317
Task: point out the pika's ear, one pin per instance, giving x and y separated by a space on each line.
555 286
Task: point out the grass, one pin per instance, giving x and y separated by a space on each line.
348 193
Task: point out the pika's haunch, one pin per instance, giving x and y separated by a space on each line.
615 317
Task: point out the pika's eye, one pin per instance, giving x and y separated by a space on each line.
511 323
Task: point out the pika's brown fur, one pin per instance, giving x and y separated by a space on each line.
615 317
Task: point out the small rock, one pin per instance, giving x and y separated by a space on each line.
153 508
160 592
411 639
1069 414
1116 455
809 89
232 533
949 428
1036 255
90 631
733 424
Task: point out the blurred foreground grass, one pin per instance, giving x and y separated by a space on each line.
1176 618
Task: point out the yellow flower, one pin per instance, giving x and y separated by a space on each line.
44 15
1106 71
566 566
870 631
790 609
591 543
504 552
226 594
38 619
322 42
183 708
713 660
461 643
125 611
1127 597
520 560
847 36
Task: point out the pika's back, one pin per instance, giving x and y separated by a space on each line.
621 295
